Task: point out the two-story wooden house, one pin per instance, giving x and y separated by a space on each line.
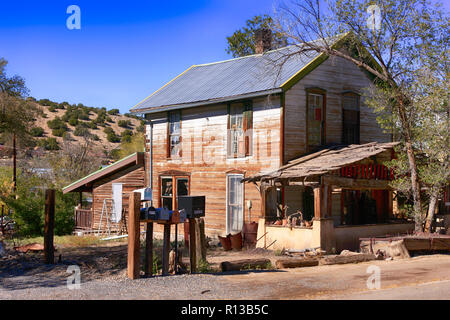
219 123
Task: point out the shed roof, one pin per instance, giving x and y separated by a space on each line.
244 77
323 161
85 184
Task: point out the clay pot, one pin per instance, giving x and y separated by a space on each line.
225 242
236 241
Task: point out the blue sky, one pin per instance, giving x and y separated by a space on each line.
124 51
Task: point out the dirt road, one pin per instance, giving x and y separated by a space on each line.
421 277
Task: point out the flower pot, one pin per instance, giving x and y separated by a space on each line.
225 242
236 241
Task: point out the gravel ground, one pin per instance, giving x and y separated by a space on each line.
103 276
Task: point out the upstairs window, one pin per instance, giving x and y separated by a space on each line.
316 118
240 127
350 118
174 135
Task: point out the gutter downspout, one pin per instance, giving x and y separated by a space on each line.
149 142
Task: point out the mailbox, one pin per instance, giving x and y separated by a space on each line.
194 206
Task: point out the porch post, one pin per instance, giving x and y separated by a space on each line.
323 226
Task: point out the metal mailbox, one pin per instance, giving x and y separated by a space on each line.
194 206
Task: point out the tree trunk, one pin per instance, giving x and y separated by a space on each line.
431 209
415 185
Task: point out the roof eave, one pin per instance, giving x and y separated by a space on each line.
207 102
83 184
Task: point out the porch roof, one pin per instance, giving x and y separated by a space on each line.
322 162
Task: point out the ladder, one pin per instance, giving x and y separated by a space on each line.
107 210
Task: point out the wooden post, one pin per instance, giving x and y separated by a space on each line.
317 203
133 236
323 201
49 225
166 250
200 241
192 245
202 238
148 269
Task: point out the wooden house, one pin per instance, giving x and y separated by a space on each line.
110 188
219 124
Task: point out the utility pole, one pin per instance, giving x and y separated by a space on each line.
14 163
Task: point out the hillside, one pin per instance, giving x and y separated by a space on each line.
72 122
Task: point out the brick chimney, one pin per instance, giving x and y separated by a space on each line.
263 40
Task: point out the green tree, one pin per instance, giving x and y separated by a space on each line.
17 113
242 42
412 36
134 144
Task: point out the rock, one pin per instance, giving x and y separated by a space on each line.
397 250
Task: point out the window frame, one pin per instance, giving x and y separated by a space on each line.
174 196
247 127
169 134
358 119
227 200
323 93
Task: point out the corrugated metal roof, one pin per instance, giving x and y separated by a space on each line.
258 73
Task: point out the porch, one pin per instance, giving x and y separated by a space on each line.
329 199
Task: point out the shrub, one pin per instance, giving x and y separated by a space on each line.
73 121
124 123
49 144
112 137
52 109
95 137
108 130
57 123
83 116
81 131
113 112
37 132
58 132
126 132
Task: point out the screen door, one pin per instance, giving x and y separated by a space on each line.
235 203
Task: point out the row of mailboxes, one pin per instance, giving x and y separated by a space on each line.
188 206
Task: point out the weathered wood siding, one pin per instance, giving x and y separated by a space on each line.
335 76
132 178
204 155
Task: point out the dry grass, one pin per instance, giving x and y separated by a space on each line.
67 241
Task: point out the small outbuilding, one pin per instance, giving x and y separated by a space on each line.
110 188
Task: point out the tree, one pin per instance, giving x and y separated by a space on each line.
393 44
135 143
242 42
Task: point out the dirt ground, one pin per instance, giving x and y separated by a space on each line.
103 276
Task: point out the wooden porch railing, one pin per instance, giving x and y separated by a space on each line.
83 218
367 171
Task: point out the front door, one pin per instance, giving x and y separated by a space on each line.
235 203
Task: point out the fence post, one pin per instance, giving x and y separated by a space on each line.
49 225
134 244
